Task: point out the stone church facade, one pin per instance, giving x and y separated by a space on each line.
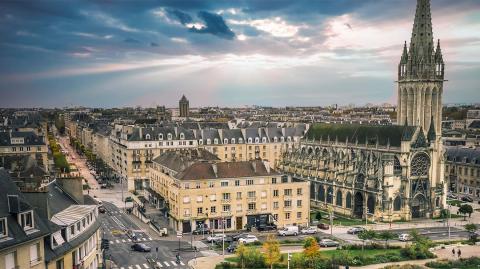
384 173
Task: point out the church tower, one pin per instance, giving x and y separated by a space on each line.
421 76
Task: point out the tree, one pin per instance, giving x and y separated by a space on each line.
386 235
367 235
241 253
318 216
464 210
311 251
254 258
471 229
271 249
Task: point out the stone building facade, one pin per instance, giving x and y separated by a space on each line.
462 170
184 107
384 172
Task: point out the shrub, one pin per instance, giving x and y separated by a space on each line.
405 266
224 265
254 258
472 262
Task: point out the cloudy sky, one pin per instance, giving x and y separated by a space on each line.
228 53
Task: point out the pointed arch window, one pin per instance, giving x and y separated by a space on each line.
438 69
397 168
403 69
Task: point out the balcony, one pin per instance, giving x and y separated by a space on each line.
251 211
252 199
35 262
226 201
187 215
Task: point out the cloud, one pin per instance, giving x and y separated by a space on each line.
182 17
214 24
131 40
108 20
153 44
277 27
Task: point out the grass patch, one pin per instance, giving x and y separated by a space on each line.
455 202
469 263
453 216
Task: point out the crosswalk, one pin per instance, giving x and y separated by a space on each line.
160 264
128 240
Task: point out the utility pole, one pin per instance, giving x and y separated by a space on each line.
289 256
448 221
223 238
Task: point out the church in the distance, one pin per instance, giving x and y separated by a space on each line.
384 173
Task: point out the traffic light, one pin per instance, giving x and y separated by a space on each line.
105 244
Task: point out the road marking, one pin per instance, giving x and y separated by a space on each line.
145 265
129 240
123 240
173 263
130 267
166 263
138 266
150 239
159 264
181 263
122 267
111 242
117 241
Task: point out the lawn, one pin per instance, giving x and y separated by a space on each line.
455 202
339 219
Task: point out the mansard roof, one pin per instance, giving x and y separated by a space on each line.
384 135
202 170
463 155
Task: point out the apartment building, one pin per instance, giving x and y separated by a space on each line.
24 143
462 170
200 190
22 231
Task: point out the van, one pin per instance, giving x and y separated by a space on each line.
404 237
289 230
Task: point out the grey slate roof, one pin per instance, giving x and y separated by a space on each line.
15 231
180 159
463 155
30 138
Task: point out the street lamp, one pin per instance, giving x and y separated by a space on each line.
330 209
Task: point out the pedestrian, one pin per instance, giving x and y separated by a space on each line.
459 252
453 252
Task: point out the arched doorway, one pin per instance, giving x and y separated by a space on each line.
371 204
358 210
330 195
419 206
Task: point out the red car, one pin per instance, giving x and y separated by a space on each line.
323 226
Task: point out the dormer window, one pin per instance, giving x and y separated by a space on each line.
26 220
249 140
147 137
182 136
233 141
215 141
289 139
160 137
169 136
264 140
282 139
240 140
275 139
209 141
3 228
200 142
225 141
257 139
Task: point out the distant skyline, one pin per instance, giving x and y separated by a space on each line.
224 53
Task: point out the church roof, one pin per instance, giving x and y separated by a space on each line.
384 135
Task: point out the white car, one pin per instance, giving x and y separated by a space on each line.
309 230
248 239
404 237
289 230
215 237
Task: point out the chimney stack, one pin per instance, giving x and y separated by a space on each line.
215 169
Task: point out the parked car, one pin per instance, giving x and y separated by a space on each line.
228 240
101 209
140 247
232 247
467 199
238 236
309 230
103 186
128 199
267 227
355 230
452 196
328 243
289 230
323 226
249 239
215 237
404 237
202 230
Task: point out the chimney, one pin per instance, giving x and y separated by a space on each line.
140 133
215 169
267 166
254 166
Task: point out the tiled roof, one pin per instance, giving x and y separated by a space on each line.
72 214
202 170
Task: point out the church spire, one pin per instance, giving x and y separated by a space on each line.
431 135
421 42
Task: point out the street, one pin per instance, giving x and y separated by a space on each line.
114 225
